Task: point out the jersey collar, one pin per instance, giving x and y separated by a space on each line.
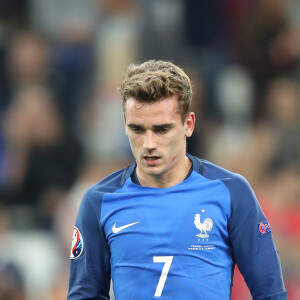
197 166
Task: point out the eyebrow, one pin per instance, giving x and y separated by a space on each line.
154 127
163 126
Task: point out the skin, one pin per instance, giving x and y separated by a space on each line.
157 138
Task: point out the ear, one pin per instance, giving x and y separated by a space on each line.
125 123
189 124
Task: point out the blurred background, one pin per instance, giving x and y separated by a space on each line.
61 124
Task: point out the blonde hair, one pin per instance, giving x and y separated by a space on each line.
155 80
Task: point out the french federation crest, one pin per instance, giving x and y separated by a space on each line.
77 244
203 227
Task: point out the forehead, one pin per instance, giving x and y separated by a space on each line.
163 111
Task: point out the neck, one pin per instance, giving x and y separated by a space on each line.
167 179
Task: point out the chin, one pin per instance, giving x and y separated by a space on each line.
152 171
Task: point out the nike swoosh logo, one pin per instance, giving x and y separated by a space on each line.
118 229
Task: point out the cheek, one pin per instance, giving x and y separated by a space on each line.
135 143
176 144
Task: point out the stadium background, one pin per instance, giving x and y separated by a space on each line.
61 126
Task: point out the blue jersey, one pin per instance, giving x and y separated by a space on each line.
177 243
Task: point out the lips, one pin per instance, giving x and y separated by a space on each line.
151 159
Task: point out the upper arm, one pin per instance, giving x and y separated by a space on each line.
90 271
254 252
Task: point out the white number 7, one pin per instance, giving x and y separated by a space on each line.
164 273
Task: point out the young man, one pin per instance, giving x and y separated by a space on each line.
169 226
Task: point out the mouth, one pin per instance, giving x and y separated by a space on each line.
151 159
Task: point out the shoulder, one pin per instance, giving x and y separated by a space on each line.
242 196
244 205
236 184
109 184
215 172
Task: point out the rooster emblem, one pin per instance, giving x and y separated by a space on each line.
203 227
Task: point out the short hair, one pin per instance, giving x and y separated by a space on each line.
155 80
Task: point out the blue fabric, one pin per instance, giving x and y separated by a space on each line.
195 231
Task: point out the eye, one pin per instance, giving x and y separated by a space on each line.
162 130
137 130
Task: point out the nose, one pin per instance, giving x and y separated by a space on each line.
149 141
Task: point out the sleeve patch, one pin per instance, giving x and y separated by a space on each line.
264 227
77 244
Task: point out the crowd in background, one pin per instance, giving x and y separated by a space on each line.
61 123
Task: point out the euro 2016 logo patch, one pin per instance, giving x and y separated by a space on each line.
77 244
264 227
